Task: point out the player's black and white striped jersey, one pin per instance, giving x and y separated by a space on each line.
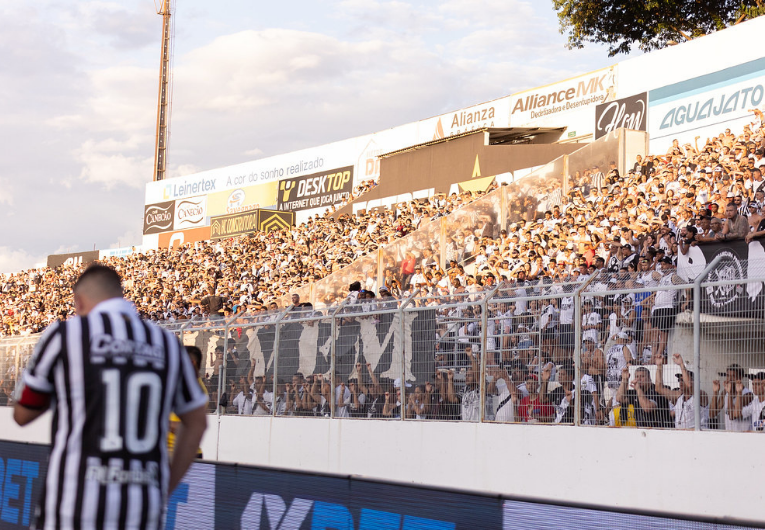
115 379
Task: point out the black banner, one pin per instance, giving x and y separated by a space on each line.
739 260
306 346
158 217
75 258
630 113
315 191
270 220
234 224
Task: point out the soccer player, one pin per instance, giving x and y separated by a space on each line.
115 379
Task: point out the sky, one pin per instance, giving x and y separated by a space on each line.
251 79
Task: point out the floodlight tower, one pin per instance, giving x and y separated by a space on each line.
164 108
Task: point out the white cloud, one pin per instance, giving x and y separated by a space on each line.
104 163
15 260
78 89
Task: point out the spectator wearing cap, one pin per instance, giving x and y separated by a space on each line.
736 226
755 217
591 320
507 395
566 337
664 306
755 411
618 357
535 408
651 408
470 398
563 397
682 399
731 399
418 280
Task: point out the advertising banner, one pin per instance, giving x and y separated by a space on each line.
260 498
315 190
216 495
491 114
22 476
270 220
700 106
554 100
190 213
233 225
629 113
158 217
244 199
181 237
120 252
75 258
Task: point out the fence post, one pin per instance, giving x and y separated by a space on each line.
442 228
697 341
402 345
484 352
222 378
578 346
332 352
275 356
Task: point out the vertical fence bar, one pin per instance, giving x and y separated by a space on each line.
442 243
578 347
380 270
484 353
402 345
332 353
697 342
275 356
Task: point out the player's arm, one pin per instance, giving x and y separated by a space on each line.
30 406
38 378
188 435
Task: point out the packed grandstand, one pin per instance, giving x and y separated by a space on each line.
636 227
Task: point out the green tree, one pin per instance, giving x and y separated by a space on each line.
649 24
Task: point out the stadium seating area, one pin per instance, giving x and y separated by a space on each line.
634 226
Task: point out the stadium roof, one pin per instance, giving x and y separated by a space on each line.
497 136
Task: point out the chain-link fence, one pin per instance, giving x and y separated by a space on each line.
635 348
628 346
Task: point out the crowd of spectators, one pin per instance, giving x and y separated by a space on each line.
636 227
213 279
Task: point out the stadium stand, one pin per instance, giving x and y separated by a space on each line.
632 231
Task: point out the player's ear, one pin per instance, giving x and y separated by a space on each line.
80 304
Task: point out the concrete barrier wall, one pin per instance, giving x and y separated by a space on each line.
656 470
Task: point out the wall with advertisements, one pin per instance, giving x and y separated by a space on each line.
464 163
75 258
436 476
701 87
570 103
693 89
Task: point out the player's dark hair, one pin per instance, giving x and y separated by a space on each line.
105 277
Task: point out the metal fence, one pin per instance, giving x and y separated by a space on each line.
633 349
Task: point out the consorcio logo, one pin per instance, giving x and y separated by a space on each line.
190 212
158 217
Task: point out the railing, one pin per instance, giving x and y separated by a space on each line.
510 353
